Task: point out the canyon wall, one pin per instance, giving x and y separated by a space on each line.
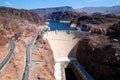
99 57
20 26
43 55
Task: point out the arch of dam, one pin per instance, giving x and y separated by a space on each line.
64 45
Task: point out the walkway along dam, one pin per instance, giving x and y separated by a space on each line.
64 45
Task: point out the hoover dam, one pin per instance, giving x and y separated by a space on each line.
64 44
58 43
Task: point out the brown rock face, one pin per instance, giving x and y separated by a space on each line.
43 53
14 68
3 40
20 25
20 14
63 15
101 60
18 20
114 31
84 19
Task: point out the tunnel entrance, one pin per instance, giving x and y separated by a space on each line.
70 74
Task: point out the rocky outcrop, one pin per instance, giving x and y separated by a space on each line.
63 15
18 21
114 31
84 19
43 53
100 58
19 25
3 39
96 19
13 70
46 11
20 14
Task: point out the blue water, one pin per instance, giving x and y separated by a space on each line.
56 25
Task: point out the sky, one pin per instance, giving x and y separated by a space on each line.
33 4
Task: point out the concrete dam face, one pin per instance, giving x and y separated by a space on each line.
63 43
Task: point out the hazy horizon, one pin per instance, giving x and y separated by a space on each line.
32 4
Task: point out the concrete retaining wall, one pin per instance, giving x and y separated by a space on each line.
80 71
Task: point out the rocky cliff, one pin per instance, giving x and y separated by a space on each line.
96 19
114 31
20 14
43 53
46 11
100 57
63 15
18 21
21 26
86 20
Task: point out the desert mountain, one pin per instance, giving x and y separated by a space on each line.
44 11
105 10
